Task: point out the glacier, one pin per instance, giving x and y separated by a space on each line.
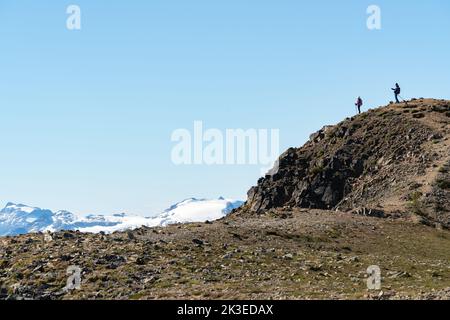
16 219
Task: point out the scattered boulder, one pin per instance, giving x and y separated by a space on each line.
198 242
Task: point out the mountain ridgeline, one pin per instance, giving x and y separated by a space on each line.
389 161
18 219
284 242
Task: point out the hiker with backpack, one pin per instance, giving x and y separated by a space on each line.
397 91
359 104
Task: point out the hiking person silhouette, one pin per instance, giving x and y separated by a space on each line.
359 104
397 91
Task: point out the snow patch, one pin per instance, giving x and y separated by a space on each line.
20 219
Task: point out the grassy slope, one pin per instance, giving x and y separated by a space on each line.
309 254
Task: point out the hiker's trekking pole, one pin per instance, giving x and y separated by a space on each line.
406 102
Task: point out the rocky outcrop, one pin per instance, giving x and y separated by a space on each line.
360 162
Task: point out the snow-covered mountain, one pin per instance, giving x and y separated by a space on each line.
20 219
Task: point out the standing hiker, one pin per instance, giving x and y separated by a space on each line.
396 92
359 104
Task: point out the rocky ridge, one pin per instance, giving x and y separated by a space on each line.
382 162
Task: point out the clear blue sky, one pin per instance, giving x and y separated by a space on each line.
86 116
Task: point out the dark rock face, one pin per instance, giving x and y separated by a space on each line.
304 180
355 163
435 205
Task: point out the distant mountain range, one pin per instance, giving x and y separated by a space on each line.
21 219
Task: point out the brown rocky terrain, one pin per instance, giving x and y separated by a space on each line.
298 254
372 190
391 161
